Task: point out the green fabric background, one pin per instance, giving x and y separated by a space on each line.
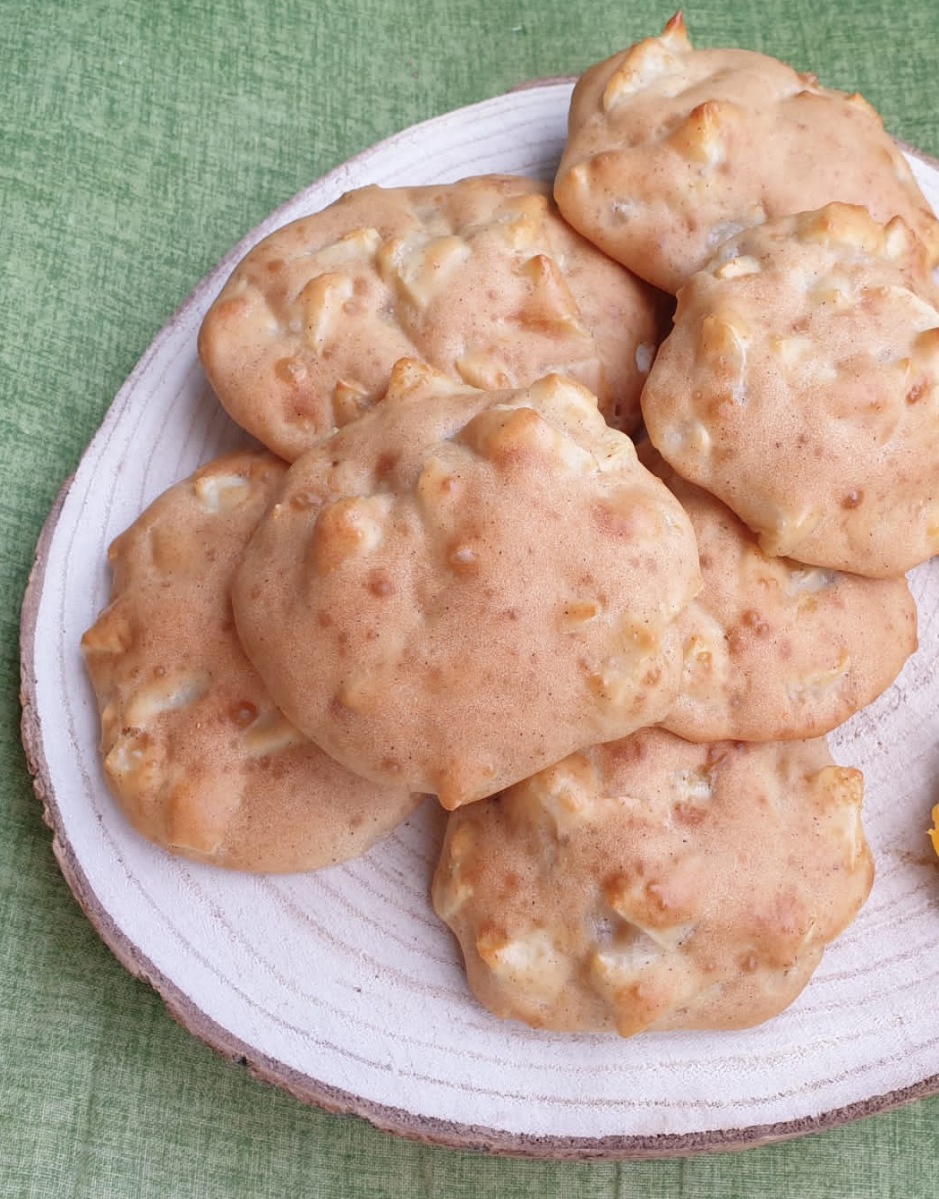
138 142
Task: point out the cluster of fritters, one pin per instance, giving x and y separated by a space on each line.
596 570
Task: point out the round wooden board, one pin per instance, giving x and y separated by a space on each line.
341 986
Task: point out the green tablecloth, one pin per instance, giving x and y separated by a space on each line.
140 141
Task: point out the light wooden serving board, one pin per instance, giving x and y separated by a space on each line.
342 986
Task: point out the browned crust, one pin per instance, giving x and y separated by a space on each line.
424 1129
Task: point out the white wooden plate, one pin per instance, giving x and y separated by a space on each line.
341 986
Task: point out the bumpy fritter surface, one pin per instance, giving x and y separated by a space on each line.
800 385
774 649
461 587
481 279
671 150
194 749
654 884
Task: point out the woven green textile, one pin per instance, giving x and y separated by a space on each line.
138 142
